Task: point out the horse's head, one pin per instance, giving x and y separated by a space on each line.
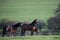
34 22
19 24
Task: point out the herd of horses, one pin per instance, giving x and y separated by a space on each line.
24 27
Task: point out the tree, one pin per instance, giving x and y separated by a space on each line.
57 11
41 24
54 22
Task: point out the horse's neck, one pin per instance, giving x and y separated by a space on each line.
33 23
15 26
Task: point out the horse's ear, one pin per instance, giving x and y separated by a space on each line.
35 20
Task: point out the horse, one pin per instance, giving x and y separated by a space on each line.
29 27
11 29
24 27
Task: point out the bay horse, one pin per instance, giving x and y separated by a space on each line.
29 27
12 29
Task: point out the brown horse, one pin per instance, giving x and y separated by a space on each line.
30 27
11 29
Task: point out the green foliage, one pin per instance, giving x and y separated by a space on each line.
54 22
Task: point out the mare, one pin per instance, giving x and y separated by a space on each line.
29 27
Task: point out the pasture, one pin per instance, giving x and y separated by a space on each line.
49 37
27 10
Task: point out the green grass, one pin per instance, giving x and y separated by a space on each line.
31 38
27 10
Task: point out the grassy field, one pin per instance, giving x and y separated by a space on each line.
31 38
27 10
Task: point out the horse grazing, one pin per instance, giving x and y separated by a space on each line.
11 29
30 27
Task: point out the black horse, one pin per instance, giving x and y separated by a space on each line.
12 29
30 27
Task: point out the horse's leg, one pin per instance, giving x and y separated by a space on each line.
3 32
14 34
37 33
32 32
11 31
22 32
8 33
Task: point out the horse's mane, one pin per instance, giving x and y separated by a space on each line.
33 23
16 25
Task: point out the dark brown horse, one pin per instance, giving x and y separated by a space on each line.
30 27
11 29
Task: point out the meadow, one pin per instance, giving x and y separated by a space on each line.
50 37
27 10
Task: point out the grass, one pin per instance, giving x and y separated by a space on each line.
27 10
50 37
